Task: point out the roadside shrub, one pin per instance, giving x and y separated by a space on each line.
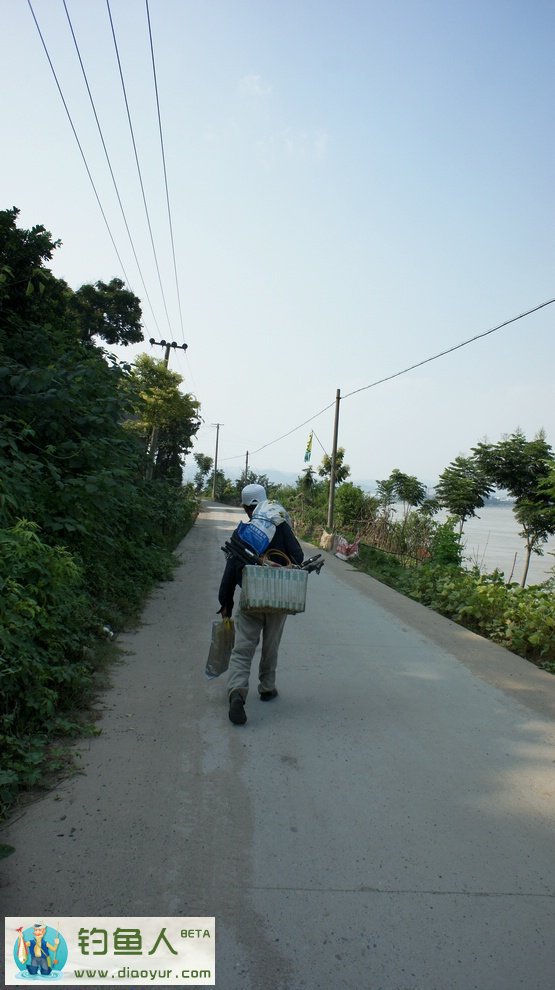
83 535
308 519
44 625
385 567
128 545
521 619
353 507
445 544
54 605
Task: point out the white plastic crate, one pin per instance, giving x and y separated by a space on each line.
273 589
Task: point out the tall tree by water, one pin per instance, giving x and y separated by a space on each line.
522 467
462 488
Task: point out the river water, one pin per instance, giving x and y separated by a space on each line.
491 541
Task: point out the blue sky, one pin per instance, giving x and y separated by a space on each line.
354 188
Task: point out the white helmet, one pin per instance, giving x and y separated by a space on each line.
253 494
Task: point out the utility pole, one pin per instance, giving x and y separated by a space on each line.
167 345
333 462
246 467
217 425
155 429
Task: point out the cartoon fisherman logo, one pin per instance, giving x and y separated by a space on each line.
40 951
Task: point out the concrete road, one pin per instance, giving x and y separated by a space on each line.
387 823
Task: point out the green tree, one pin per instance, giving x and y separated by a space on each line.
522 468
547 484
165 419
386 494
225 490
353 506
408 490
307 483
429 507
342 470
462 488
28 290
109 311
204 466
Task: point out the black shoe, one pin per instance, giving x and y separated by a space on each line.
269 695
237 713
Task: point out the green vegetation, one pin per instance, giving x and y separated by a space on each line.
521 619
84 534
462 488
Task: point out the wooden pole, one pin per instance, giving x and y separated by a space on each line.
333 462
217 425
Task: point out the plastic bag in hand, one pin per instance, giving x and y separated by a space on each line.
223 636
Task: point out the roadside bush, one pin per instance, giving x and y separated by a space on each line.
385 567
353 507
83 535
54 605
44 625
128 546
308 519
445 545
521 619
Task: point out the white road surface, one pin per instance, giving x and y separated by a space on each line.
387 823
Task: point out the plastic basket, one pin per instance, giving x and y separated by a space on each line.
273 589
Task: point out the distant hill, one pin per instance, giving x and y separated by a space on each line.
289 477
277 477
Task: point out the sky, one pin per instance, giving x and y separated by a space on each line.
354 187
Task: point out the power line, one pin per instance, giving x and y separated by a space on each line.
165 171
109 162
320 442
450 349
137 162
284 435
398 374
78 141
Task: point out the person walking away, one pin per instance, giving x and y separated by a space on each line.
249 626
